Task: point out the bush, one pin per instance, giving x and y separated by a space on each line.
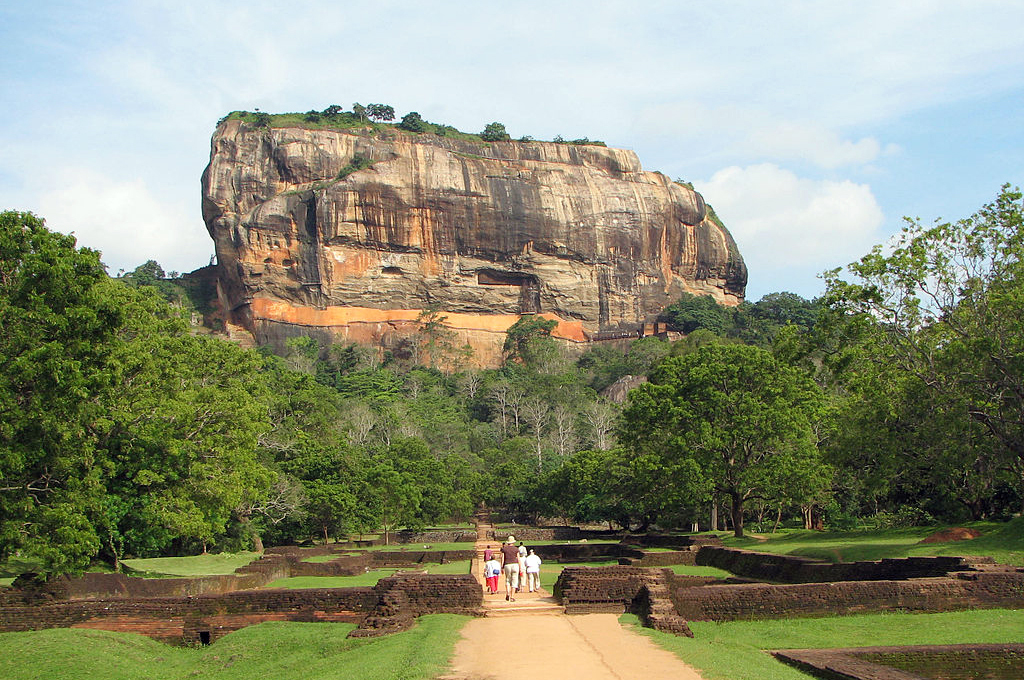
413 122
494 132
358 162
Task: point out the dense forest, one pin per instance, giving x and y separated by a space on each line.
896 398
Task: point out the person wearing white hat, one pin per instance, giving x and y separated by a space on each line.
510 563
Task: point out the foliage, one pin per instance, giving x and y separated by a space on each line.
494 132
358 162
743 422
58 327
380 112
529 339
413 122
944 305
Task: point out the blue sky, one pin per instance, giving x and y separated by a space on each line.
811 127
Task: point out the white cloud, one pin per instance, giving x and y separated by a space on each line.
783 222
125 221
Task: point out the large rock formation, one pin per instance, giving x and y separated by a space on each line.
310 242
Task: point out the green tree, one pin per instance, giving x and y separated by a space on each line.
529 340
950 301
57 326
413 122
380 112
693 312
749 424
494 132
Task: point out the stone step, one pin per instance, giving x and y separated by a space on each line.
512 609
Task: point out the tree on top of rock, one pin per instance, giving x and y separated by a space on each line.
494 132
413 122
380 112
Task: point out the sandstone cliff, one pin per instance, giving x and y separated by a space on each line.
352 233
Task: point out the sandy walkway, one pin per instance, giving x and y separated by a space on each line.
539 647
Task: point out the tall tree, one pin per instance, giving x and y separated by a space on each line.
746 421
950 301
54 347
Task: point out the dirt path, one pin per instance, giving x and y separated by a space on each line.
529 638
560 647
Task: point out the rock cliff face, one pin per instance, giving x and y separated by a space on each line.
352 234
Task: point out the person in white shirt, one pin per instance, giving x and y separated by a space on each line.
533 563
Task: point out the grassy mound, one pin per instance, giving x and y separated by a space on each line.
268 650
1003 541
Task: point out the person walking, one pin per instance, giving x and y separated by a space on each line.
492 569
533 563
510 564
522 566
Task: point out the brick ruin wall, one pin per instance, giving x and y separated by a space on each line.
437 536
627 588
277 563
528 534
180 619
179 609
644 591
912 662
791 569
966 590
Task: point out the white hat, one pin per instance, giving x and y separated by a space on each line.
511 539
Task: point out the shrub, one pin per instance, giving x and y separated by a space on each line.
494 132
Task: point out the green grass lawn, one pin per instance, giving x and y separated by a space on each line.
733 651
369 578
312 651
197 565
693 570
1003 541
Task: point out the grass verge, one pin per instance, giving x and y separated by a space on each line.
311 651
734 650
197 565
1003 541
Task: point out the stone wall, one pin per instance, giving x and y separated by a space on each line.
587 590
693 541
942 662
646 592
278 563
382 558
389 606
968 590
403 597
437 536
528 534
181 619
661 559
790 569
584 552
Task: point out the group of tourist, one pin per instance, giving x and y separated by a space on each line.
519 565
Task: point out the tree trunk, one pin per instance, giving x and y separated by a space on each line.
737 516
257 542
714 515
778 519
